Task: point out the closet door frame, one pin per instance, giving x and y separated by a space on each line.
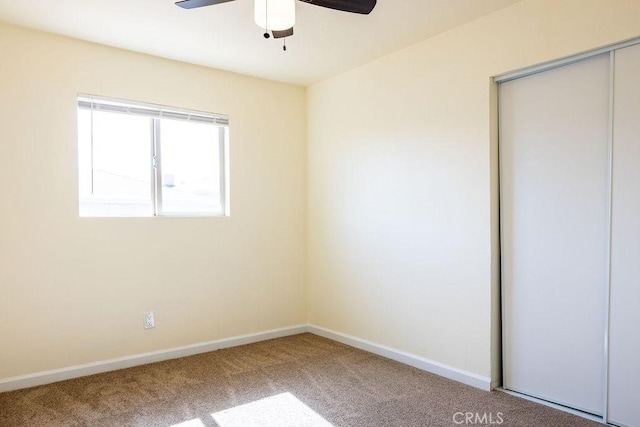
540 68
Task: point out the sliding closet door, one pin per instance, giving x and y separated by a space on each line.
624 355
554 198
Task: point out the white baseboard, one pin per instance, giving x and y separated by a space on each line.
47 377
431 366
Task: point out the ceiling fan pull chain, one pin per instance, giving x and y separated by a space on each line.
266 19
284 44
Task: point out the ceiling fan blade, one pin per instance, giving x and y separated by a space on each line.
283 33
192 4
354 6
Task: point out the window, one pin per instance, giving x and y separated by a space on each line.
148 160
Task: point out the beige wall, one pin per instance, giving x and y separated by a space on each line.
73 290
401 203
397 179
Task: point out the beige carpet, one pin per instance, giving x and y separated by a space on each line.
302 380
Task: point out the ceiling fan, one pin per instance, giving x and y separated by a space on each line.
279 16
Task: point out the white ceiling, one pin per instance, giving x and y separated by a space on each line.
325 43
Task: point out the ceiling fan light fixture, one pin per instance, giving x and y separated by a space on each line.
274 15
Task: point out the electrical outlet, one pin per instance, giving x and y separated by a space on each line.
149 320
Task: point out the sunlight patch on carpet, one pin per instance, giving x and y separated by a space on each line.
282 410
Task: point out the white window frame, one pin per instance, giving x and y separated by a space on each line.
155 113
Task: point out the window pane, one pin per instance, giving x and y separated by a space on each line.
190 154
114 161
117 142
